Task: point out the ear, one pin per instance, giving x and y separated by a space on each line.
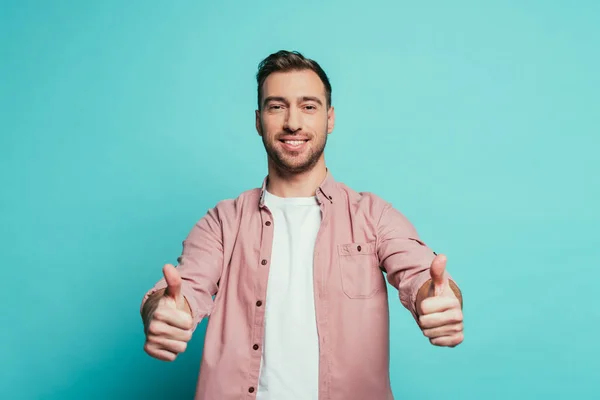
257 122
330 119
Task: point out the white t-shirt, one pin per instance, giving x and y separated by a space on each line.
290 356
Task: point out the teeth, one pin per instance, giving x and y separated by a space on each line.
294 142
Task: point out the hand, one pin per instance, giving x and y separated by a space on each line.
440 311
169 324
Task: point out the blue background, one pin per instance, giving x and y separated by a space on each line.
121 123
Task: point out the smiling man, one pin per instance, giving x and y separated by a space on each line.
298 268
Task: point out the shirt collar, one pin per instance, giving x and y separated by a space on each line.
324 192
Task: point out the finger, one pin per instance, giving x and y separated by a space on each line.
159 328
174 317
160 354
438 304
437 271
435 320
448 341
445 330
173 282
162 343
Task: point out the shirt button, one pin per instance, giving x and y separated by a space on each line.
268 223
258 303
359 248
255 347
264 262
251 389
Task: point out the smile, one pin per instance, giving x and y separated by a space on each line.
293 144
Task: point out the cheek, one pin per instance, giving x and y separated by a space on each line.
271 125
318 125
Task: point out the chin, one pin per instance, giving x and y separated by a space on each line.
297 166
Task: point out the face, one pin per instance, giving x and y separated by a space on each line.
294 120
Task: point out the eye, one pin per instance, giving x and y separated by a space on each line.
310 107
275 107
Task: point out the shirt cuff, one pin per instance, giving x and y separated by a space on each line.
408 298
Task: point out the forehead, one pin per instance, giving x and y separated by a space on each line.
294 84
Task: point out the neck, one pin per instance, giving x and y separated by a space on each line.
301 184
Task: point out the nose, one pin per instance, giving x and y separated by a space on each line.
293 120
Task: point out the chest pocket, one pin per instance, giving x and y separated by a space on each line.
361 276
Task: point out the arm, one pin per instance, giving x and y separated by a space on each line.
425 287
403 255
406 259
200 267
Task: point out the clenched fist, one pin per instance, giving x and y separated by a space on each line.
439 308
167 319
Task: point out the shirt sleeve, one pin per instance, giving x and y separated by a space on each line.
405 258
200 266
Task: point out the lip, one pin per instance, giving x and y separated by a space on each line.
294 137
291 147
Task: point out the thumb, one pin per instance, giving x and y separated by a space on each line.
173 279
438 273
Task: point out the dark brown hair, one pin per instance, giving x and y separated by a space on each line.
285 61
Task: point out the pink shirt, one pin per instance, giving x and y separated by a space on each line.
227 255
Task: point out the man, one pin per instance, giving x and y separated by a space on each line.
296 268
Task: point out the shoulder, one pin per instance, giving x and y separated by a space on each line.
379 211
367 201
233 206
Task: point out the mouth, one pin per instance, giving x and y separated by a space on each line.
294 145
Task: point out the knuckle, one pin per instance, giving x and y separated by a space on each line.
152 339
427 305
154 328
182 347
175 347
162 313
152 352
158 314
458 316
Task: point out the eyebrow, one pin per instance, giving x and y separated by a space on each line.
284 100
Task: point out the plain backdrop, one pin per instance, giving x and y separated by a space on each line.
123 122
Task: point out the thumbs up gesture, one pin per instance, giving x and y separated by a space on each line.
167 319
439 309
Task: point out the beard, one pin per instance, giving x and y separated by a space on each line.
294 162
